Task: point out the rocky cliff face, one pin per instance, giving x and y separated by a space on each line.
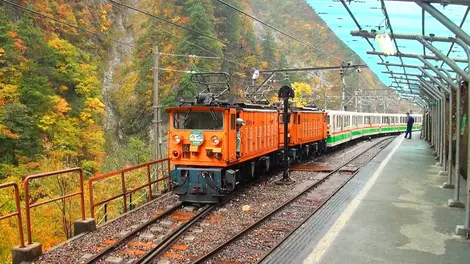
118 55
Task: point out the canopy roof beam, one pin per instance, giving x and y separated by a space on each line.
461 25
423 57
448 78
445 20
406 74
358 25
446 59
411 66
406 55
454 2
424 41
367 34
389 24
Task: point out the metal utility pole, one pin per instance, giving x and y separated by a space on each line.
342 92
157 139
385 104
355 101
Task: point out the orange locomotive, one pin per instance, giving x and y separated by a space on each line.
215 145
307 132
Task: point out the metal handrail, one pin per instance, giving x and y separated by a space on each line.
17 212
124 191
28 206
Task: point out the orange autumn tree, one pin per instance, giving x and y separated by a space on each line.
50 116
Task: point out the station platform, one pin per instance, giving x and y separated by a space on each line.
392 211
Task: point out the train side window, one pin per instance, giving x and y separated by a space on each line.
298 119
232 121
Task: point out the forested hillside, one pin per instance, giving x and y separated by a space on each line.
76 86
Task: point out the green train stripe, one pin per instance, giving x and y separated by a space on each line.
348 135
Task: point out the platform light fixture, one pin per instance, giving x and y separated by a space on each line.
385 42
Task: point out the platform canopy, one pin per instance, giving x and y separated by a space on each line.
352 20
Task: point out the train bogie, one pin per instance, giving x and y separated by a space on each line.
203 185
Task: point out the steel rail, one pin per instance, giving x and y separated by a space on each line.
155 252
318 208
168 241
131 234
276 210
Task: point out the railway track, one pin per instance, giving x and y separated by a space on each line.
259 239
158 236
136 244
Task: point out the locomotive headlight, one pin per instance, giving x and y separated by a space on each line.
177 139
215 140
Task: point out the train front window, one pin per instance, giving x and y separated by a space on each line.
203 120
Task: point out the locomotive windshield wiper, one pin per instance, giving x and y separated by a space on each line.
214 116
187 114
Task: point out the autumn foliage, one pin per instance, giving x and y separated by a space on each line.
51 110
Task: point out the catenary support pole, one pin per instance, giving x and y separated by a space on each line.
448 61
444 89
157 150
467 194
449 155
438 115
456 201
445 21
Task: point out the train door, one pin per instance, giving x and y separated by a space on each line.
300 134
232 136
330 123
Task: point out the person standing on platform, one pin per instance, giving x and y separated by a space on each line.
409 125
240 123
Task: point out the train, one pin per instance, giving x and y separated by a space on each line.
216 145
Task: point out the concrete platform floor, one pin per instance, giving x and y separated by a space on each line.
393 211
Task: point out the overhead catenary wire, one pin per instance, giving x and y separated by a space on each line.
65 23
278 30
167 21
189 56
120 5
174 70
453 43
98 34
251 53
389 26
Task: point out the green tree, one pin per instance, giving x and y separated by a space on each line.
200 20
268 44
